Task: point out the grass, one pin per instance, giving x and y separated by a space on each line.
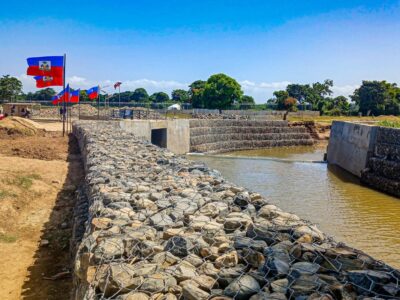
330 119
4 238
24 181
4 194
392 124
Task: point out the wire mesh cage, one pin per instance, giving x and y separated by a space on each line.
153 225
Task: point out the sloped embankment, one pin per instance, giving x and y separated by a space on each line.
164 227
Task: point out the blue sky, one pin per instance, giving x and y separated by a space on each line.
163 45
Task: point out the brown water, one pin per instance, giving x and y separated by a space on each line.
331 198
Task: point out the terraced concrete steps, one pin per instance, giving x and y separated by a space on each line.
214 136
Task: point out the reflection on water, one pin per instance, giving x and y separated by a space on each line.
333 199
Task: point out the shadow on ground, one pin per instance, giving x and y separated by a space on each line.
50 275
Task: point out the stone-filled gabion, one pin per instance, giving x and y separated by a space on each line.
163 227
383 170
229 135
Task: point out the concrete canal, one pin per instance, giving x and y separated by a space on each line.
331 198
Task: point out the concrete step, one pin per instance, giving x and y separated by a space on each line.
227 146
242 123
198 131
207 139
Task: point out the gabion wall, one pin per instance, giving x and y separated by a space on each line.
162 227
383 170
230 135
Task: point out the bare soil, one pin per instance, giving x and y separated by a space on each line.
39 174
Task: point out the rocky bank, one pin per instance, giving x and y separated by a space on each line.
150 224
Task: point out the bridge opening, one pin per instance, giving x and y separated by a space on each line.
159 137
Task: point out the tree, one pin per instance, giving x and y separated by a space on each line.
83 96
221 91
10 87
280 97
335 106
140 95
290 104
159 97
247 102
180 96
377 97
314 94
44 94
196 90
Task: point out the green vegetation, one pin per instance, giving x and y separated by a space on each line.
220 91
180 96
24 181
4 194
159 97
5 238
377 98
10 88
392 124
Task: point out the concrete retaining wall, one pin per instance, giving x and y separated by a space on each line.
231 135
162 227
178 132
369 152
351 145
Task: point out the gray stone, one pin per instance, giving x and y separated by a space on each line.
306 268
178 246
280 285
160 220
158 283
191 292
242 288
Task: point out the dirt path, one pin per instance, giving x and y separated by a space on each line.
36 202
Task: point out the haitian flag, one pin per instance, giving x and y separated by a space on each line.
46 66
62 96
93 92
55 99
44 81
74 98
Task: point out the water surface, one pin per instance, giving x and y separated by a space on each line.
330 197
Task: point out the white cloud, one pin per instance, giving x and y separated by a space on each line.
76 79
344 90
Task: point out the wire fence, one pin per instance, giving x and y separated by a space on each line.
163 227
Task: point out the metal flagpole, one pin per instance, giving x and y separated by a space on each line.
79 106
98 103
64 104
119 96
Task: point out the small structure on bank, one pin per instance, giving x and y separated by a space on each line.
18 109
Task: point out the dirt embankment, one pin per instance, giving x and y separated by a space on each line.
39 173
319 132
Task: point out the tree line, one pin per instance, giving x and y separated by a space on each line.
220 91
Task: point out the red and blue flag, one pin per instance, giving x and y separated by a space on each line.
46 66
74 98
62 96
93 92
45 81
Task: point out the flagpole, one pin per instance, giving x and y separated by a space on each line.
64 104
79 105
119 96
98 103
